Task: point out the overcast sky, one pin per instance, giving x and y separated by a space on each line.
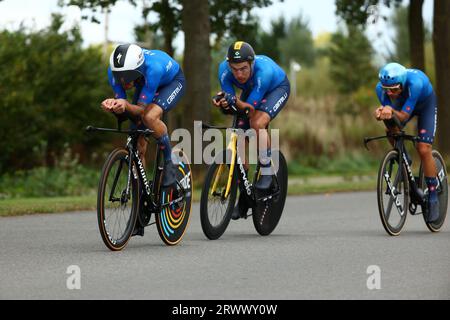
124 17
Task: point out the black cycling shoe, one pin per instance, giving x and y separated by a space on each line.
138 231
240 211
169 178
264 182
433 211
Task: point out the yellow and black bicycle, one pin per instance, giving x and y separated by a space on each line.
227 174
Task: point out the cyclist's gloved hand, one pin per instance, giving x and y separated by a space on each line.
230 99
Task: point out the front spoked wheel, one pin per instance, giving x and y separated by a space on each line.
176 203
442 192
267 212
393 194
216 206
117 201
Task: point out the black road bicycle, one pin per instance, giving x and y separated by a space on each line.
127 199
399 191
226 174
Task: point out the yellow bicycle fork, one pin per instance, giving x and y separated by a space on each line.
232 146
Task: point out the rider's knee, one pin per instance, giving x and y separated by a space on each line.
152 114
424 149
260 123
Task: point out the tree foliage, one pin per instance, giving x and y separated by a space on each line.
357 12
351 60
298 45
227 17
51 89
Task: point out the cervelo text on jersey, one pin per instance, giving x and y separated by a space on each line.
418 88
267 76
159 70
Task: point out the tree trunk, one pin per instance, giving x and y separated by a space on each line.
441 40
197 65
416 35
167 27
197 59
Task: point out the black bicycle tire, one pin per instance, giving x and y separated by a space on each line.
210 231
389 229
180 229
275 207
436 226
112 158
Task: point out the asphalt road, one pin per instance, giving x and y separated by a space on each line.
323 248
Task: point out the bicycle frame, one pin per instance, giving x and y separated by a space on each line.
235 160
417 195
151 189
236 164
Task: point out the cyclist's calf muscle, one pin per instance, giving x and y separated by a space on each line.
142 149
425 151
152 119
259 122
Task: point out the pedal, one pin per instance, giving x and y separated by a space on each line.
269 197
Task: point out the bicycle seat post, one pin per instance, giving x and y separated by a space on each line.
235 121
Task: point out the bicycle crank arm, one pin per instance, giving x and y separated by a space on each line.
267 198
171 203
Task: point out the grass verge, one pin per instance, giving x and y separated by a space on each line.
21 206
297 186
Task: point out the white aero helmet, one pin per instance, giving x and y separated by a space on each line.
126 61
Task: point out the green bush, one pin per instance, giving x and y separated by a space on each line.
67 178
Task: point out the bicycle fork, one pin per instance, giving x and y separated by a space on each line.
233 147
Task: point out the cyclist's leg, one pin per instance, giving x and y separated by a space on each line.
260 122
269 109
166 99
427 125
427 131
142 143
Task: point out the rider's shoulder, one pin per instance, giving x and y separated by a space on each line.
224 67
415 74
416 77
263 60
149 54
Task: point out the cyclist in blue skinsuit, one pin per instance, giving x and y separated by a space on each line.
159 85
408 93
265 90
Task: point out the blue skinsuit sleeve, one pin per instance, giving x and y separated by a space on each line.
262 84
415 89
382 97
225 80
153 79
119 91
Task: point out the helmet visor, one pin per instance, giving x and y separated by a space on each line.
127 76
395 89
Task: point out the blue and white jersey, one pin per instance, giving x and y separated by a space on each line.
267 76
418 89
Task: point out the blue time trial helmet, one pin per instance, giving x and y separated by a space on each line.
393 74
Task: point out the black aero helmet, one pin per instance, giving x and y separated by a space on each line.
126 61
240 52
